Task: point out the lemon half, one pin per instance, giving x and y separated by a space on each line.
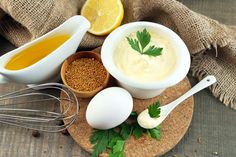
104 15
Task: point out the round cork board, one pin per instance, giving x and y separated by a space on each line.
172 129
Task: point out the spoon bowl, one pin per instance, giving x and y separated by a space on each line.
148 122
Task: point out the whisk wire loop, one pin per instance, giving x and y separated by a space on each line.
23 108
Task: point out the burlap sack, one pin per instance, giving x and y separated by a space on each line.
212 45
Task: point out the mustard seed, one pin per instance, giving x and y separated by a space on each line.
85 74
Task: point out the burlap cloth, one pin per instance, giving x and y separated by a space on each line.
212 45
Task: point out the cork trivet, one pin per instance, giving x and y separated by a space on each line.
172 129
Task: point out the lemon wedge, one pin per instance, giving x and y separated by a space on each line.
104 15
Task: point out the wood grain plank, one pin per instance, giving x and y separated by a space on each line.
221 10
212 121
20 142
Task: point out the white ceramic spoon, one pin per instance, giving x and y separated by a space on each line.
148 122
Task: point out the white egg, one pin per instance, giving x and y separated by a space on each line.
109 108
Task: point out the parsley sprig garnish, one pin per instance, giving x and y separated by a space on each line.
101 139
114 139
155 132
154 110
143 39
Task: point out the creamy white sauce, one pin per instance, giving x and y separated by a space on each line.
147 122
144 68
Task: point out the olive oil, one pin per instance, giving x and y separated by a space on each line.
35 53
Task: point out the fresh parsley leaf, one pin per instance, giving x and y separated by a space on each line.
118 149
134 44
137 130
154 110
126 130
119 146
101 139
153 51
96 136
143 39
155 132
113 141
112 134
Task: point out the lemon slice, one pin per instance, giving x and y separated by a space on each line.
104 15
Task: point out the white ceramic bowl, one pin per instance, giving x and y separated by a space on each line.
138 89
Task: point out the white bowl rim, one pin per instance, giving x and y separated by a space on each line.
175 77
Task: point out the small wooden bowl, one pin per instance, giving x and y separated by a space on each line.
83 54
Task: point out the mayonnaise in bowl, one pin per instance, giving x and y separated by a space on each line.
145 68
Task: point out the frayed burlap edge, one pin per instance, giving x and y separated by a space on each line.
197 72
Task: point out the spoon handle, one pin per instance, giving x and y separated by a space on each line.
207 81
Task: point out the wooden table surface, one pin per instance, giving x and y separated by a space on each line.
212 131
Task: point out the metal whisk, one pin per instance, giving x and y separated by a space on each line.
39 107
